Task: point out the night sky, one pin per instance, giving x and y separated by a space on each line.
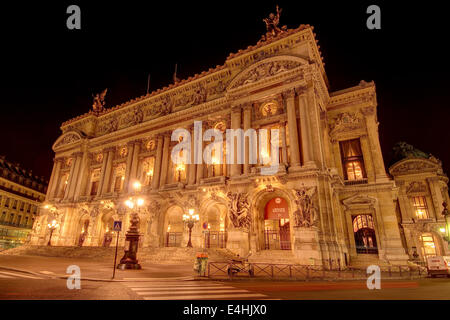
49 73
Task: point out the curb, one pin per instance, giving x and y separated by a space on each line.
65 276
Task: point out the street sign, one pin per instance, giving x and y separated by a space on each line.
117 226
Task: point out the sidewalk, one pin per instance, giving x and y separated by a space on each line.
100 270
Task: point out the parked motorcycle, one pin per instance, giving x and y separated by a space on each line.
240 265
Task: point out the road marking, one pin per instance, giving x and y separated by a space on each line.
209 297
19 275
169 292
3 276
182 290
47 272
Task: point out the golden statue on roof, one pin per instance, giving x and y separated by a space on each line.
99 101
272 24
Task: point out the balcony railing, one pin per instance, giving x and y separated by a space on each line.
17 225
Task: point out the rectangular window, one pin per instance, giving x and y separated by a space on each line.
94 188
420 207
7 202
118 183
352 160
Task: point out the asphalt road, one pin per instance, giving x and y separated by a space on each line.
15 286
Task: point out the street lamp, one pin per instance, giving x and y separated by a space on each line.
214 162
52 226
190 219
129 260
446 214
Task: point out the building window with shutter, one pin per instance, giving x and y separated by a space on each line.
352 160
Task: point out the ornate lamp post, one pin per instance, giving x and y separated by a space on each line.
52 226
190 220
129 260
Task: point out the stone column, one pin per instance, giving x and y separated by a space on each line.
83 175
284 158
236 169
292 124
106 181
103 170
374 142
54 183
165 160
158 160
134 163
315 130
199 145
74 179
192 167
130 148
436 196
71 174
247 126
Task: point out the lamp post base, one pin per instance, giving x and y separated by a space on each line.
129 260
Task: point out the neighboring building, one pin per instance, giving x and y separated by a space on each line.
331 200
422 190
21 194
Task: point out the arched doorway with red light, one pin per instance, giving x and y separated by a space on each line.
277 229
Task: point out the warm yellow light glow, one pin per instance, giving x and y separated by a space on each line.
191 211
53 225
168 228
442 230
123 178
140 202
46 206
204 190
215 160
137 185
150 172
180 167
107 229
129 204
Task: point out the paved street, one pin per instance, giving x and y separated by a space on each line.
15 285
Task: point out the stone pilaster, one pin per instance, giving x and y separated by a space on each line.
108 169
236 169
289 97
55 179
74 174
374 142
158 162
247 126
165 160
130 149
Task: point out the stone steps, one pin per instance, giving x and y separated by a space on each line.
172 255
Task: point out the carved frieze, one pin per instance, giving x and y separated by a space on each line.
265 70
344 122
416 187
68 139
412 166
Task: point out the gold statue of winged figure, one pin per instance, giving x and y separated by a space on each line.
99 101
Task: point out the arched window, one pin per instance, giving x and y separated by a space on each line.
364 231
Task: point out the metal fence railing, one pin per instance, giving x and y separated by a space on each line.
309 272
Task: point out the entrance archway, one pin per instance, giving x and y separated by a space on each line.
277 229
215 233
174 227
82 230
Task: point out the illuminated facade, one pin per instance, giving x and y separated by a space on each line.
21 194
330 202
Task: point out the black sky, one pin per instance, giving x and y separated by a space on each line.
49 72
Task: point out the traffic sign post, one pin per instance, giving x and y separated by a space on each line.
116 227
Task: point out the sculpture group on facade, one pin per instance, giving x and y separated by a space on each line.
306 213
239 210
99 101
272 23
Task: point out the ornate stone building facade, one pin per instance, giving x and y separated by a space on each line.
331 199
21 195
